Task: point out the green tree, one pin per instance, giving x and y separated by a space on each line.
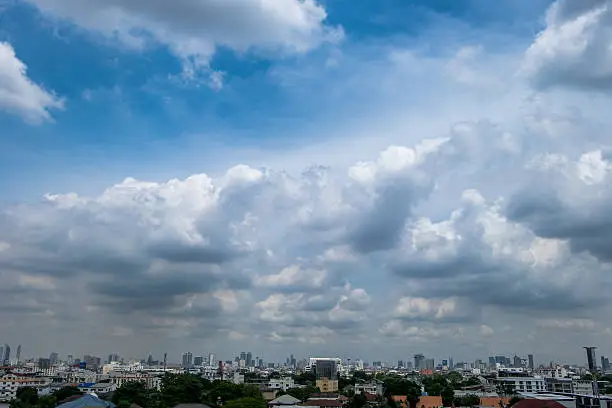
66 392
134 392
447 396
305 378
395 385
455 379
48 401
247 402
435 384
302 393
27 395
358 401
469 400
183 388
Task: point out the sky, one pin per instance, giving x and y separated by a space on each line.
361 179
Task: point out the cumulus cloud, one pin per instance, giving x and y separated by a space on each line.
295 277
574 48
19 95
441 310
572 204
193 30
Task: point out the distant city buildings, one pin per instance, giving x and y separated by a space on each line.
5 355
187 359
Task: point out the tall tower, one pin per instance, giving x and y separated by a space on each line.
591 357
530 358
18 354
165 360
6 359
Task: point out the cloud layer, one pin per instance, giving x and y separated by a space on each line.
485 236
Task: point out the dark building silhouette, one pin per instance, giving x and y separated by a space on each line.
591 358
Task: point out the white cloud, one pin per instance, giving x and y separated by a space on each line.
193 30
574 48
417 308
486 331
293 276
18 94
567 324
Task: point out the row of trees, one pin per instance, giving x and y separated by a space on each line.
188 388
27 397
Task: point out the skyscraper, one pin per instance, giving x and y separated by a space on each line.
418 361
605 364
1 355
591 357
18 354
211 360
53 358
6 358
249 359
530 358
517 362
187 359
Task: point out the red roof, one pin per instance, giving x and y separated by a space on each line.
370 397
537 403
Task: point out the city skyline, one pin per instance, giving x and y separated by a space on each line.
416 361
307 177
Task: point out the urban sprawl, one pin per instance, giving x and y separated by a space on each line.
249 382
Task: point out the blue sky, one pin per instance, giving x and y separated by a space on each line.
135 107
306 176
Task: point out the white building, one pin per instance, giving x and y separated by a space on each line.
553 372
281 383
523 384
151 381
374 387
98 388
583 387
10 383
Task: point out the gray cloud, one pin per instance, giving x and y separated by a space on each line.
573 50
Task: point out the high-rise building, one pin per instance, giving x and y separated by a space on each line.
1 355
428 364
492 362
249 359
211 359
18 354
198 361
605 364
92 362
400 364
113 358
451 365
70 359
44 363
418 361
187 359
326 373
517 362
242 356
591 358
530 358
53 358
6 357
